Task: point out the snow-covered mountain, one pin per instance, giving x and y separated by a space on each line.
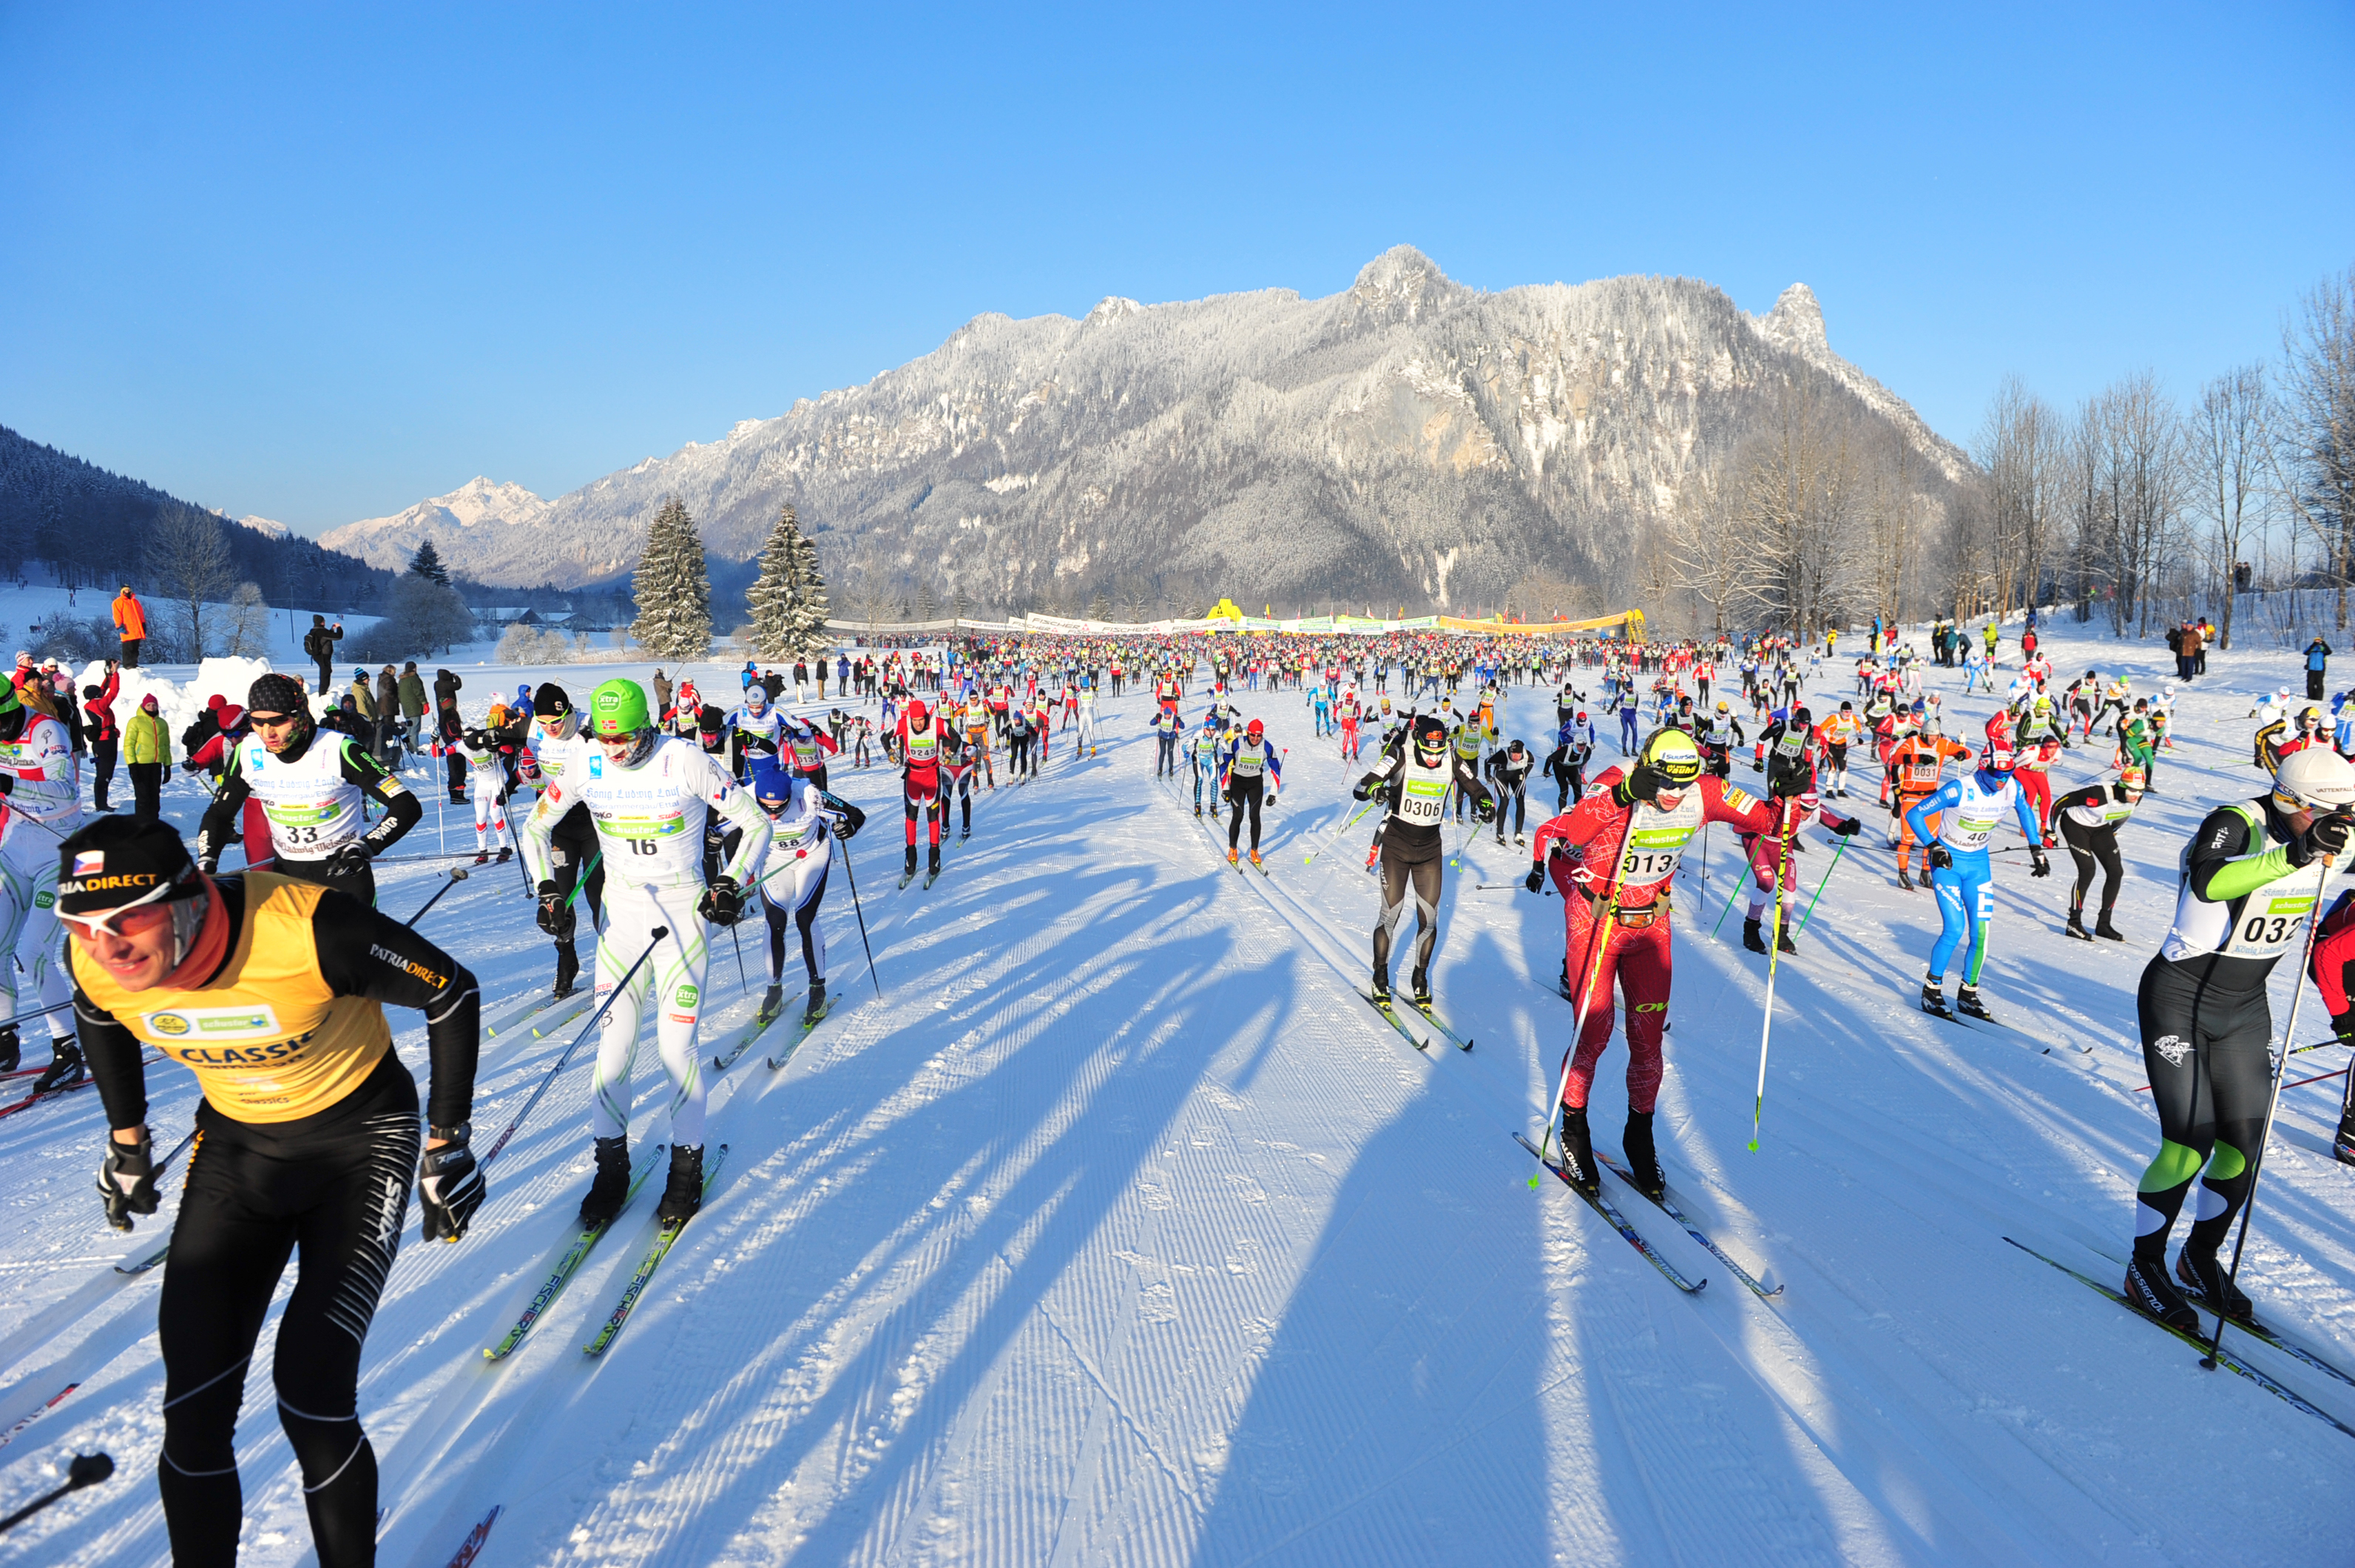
1409 440
463 525
268 527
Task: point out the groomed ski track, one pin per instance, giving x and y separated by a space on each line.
1122 1230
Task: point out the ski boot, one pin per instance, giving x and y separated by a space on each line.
2103 927
481 857
12 1051
772 1002
1520 841
1904 878
568 970
2206 1276
1421 992
1934 999
1373 856
65 1068
2076 926
2150 1292
1783 943
814 1008
1967 1003
610 1188
1254 860
684 1196
1381 988
2343 1145
1578 1152
1198 808
1233 858
1752 937
505 854
1643 1158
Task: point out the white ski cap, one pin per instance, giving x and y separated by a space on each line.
2316 779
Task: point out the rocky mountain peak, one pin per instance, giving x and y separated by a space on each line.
1403 285
1797 323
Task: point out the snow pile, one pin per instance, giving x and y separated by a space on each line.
229 677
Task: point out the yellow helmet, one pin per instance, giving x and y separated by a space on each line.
1672 757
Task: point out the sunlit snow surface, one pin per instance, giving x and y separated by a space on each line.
1120 1230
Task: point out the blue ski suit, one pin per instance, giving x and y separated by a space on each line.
1967 810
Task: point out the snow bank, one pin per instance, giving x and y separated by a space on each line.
179 704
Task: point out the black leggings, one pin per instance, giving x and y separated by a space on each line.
1244 793
2091 847
573 843
337 1186
1397 872
2209 1054
1519 796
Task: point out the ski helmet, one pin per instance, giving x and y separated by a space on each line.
1672 757
1254 728
2133 780
2314 779
917 711
1430 739
1998 758
617 709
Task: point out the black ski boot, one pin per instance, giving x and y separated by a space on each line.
2150 1292
1420 994
1967 1003
12 1051
1905 879
568 970
1783 943
814 1008
65 1068
505 854
2076 926
772 1002
2103 927
1643 1158
1381 988
2204 1273
2343 1145
610 1188
684 1196
1934 999
1752 937
1578 1152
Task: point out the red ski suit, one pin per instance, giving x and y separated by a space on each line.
1637 954
921 750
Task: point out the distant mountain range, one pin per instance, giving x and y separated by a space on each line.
1407 440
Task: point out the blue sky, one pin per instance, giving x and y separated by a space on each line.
318 262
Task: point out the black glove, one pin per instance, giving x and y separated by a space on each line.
1640 784
1756 766
1846 829
2343 1024
127 1179
551 908
449 1187
722 903
850 818
1938 856
2328 835
1535 879
1484 811
350 861
1361 791
2038 866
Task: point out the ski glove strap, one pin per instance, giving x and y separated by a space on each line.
127 1179
449 1187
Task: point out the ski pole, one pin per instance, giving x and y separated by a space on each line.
1587 991
87 1470
580 883
1773 952
1838 850
457 875
1336 837
595 1018
1729 903
739 942
852 876
2273 1105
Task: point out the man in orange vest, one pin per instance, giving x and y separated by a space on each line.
131 622
1917 762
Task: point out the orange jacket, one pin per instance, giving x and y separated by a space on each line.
129 615
1919 759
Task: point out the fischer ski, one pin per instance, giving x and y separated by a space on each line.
747 1035
801 1032
1667 1205
2278 1390
1433 1019
471 1547
664 1237
2255 1330
55 1400
574 1256
1618 1222
1395 1022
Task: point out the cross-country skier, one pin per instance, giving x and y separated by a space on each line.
924 743
2089 819
559 755
755 729
1247 769
1413 778
308 1134
650 797
1774 856
793 883
1509 770
2251 876
1612 856
40 802
309 781
1967 809
1566 763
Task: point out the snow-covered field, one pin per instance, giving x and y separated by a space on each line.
1118 1230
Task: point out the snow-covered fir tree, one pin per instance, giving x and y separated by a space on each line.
777 592
811 610
672 587
427 563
